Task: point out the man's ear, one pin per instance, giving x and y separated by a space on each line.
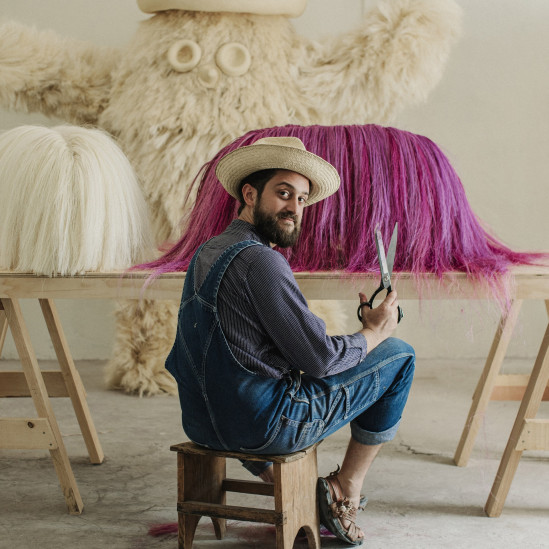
249 194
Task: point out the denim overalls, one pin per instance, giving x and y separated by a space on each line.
225 406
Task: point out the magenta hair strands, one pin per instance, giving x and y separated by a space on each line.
387 175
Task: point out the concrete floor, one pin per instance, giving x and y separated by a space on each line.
417 497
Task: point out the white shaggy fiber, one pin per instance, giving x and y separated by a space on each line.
70 202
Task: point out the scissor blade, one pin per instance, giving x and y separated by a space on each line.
392 250
385 275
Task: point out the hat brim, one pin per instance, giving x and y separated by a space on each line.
238 164
289 8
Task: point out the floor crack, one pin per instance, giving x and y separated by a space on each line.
415 452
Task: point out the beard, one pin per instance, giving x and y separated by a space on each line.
267 225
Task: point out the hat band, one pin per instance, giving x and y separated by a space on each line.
289 8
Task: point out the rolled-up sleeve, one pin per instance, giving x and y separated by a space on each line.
297 334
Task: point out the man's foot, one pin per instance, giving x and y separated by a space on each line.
268 476
338 512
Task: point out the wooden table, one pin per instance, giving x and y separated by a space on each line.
43 432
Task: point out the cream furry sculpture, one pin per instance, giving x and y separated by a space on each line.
200 73
70 202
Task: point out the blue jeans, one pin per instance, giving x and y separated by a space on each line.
227 407
371 397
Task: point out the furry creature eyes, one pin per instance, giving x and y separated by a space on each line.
232 58
184 55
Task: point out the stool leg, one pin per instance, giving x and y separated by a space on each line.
220 527
199 478
295 495
186 528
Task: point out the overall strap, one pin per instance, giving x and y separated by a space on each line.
190 276
210 286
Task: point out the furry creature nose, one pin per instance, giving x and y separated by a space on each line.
208 76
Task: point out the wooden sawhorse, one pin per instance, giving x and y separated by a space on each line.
528 433
43 431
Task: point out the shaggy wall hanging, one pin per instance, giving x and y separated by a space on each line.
70 202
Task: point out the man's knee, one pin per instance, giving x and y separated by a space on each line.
396 347
404 353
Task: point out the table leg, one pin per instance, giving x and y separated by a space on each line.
39 394
513 451
486 384
74 385
3 327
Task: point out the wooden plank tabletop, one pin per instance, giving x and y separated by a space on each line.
526 283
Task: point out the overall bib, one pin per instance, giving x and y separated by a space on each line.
224 406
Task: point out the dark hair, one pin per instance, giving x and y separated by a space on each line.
257 180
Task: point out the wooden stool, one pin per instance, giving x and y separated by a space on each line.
202 486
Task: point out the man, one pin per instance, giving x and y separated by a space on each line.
255 369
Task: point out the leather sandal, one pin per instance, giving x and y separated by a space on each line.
335 507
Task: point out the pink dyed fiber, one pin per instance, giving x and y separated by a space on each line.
163 529
387 175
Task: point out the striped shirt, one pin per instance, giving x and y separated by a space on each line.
265 317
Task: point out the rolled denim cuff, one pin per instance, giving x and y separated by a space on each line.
372 439
256 467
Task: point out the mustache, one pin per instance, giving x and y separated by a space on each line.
285 215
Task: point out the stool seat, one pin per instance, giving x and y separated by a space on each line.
202 486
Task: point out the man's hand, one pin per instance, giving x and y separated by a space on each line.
379 323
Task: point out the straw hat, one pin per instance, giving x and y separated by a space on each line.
289 8
283 153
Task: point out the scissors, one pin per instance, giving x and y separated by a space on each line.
386 263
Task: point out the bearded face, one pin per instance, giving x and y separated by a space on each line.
280 228
278 208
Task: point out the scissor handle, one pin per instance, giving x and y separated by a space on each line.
370 304
359 310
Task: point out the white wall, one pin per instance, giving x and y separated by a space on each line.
489 114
